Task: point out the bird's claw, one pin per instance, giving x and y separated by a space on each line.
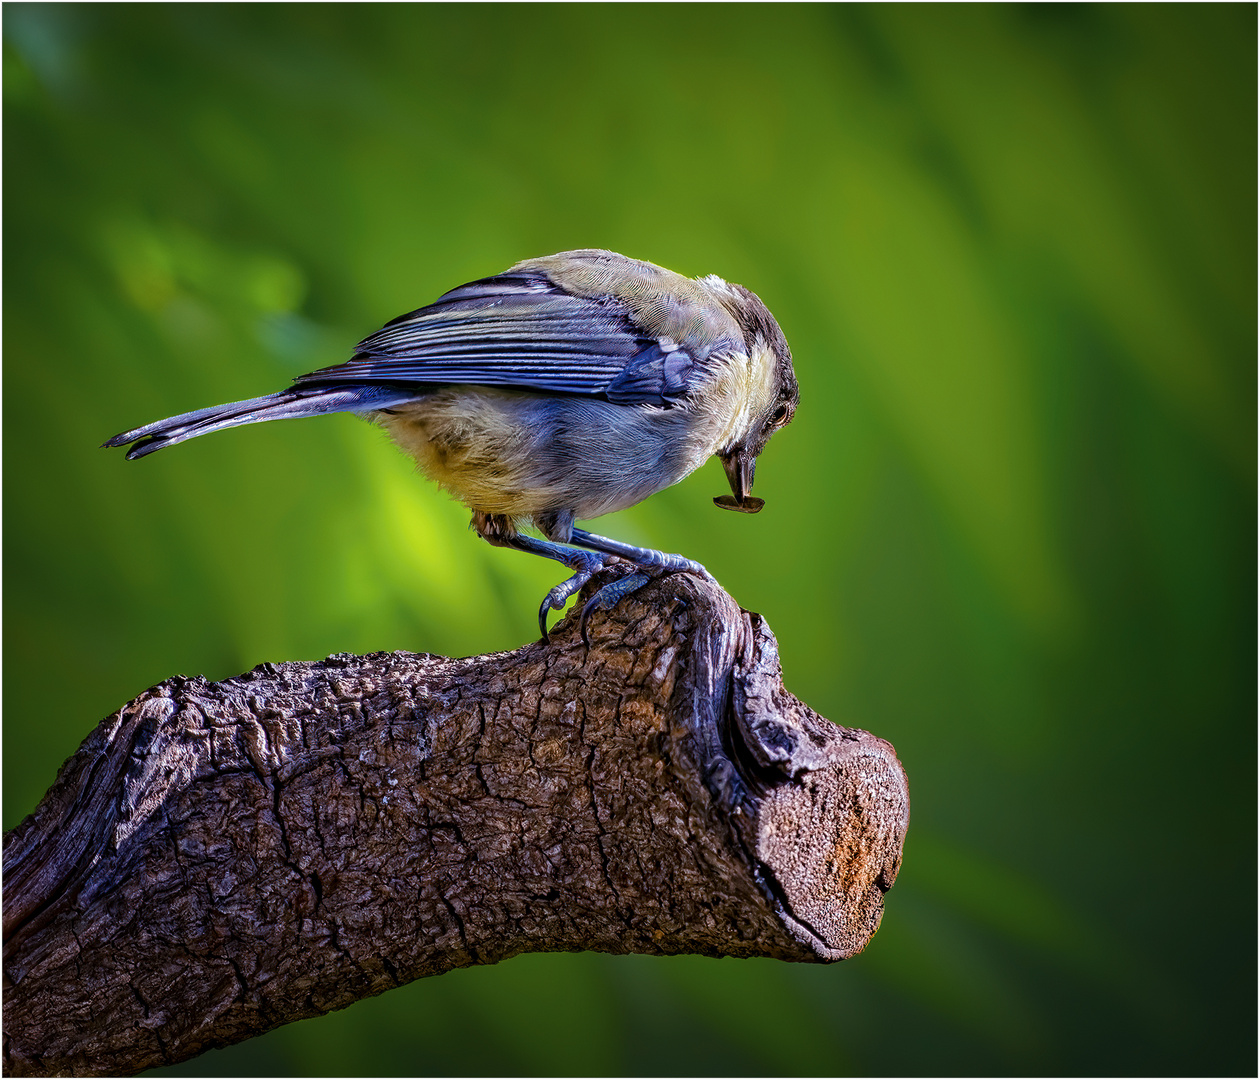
608 597
559 596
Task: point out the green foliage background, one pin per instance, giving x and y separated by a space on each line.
1011 530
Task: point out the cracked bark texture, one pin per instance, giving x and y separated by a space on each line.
218 859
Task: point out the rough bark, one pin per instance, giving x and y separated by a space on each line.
218 859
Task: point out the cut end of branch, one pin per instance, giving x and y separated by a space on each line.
831 847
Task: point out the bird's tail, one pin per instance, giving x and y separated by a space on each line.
300 401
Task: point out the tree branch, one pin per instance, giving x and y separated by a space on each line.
218 859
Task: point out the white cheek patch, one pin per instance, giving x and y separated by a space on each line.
744 391
763 377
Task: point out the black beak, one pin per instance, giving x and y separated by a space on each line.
740 467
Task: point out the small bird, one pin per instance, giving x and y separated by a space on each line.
564 388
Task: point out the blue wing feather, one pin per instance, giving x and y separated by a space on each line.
652 373
518 330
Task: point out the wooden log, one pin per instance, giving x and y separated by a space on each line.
218 859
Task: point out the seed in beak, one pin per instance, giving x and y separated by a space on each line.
751 505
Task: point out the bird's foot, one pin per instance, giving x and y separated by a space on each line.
589 555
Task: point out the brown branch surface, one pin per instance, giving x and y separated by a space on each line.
218 859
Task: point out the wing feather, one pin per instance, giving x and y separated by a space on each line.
519 330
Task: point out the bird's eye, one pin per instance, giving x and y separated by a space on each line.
780 415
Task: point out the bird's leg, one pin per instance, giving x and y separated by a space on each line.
637 555
501 531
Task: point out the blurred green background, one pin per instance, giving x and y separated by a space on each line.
1012 529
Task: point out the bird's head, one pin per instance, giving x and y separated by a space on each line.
771 396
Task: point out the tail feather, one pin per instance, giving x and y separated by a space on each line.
287 404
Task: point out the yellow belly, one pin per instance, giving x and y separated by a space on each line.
468 447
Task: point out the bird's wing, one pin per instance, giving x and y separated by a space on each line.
520 330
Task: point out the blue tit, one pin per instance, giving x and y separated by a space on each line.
564 388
